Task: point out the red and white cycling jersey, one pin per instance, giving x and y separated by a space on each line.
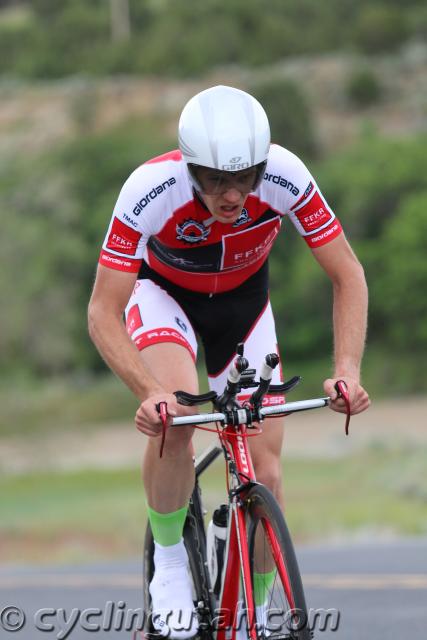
159 219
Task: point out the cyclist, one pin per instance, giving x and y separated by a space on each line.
186 253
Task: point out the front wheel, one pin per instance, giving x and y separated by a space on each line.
280 608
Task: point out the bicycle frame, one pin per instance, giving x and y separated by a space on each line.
236 559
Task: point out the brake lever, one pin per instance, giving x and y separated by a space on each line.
341 389
162 408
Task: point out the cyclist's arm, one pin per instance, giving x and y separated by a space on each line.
110 296
350 308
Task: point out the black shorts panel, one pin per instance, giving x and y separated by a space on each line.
221 320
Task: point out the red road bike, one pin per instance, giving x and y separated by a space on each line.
257 539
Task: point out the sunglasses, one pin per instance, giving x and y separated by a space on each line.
213 182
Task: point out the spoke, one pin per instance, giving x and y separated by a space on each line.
276 600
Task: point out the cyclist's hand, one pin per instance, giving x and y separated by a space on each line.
359 399
147 418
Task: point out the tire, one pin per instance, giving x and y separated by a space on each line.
267 530
195 544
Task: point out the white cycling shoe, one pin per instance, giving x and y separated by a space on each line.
263 622
173 614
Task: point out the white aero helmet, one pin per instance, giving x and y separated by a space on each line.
225 129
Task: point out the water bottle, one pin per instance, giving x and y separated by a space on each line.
216 540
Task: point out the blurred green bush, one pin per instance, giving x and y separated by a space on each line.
289 115
381 27
176 37
363 88
378 190
58 209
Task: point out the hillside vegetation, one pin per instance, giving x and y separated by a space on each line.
47 38
356 117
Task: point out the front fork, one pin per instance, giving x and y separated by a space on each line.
237 561
230 616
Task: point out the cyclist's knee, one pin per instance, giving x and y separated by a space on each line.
173 365
269 473
177 442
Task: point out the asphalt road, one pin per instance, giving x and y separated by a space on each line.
374 591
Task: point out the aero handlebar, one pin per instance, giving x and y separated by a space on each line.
231 413
243 416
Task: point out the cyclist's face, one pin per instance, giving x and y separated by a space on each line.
225 194
226 207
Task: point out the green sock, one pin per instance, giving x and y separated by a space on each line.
262 584
167 527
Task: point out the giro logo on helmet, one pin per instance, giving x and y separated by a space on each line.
192 231
236 166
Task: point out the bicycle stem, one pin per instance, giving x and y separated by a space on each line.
270 363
